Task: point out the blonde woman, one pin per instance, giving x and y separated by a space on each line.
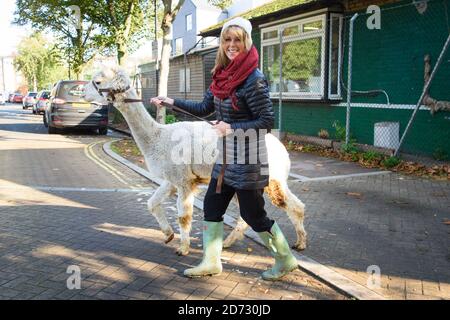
239 95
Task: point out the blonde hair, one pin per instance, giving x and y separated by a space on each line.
221 58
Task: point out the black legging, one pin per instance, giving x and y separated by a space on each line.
251 205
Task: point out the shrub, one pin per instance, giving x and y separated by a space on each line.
290 146
390 162
372 155
349 148
170 118
440 154
339 131
323 134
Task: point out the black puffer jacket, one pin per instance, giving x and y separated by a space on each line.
255 112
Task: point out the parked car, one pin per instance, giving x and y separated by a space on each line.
41 102
29 100
18 98
10 97
2 98
66 107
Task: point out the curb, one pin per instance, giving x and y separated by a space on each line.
309 265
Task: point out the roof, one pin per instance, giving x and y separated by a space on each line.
263 11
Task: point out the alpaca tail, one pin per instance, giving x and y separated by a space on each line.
278 158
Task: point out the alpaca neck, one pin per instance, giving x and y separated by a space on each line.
143 127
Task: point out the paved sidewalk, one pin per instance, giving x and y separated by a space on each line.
357 217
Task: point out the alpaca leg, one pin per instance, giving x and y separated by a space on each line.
284 199
185 205
154 207
237 233
296 213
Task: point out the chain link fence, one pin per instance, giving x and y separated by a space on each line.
392 62
395 48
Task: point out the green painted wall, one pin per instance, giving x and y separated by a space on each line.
390 59
427 134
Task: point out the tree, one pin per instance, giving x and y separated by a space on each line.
221 4
169 13
301 61
76 37
123 23
39 61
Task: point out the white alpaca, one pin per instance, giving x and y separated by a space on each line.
156 143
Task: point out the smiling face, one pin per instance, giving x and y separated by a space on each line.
233 45
234 40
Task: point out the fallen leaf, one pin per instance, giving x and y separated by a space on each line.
249 249
305 189
399 202
438 194
447 222
354 194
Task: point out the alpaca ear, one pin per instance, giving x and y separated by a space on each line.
121 81
108 72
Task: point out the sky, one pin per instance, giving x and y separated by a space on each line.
10 35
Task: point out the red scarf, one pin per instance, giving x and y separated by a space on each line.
226 80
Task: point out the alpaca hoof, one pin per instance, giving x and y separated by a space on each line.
227 244
182 252
169 238
299 246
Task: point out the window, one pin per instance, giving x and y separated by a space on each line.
303 54
188 22
178 46
147 82
182 82
334 88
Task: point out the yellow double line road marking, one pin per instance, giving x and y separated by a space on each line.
89 152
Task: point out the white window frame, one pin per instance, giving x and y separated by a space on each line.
176 51
181 82
322 34
188 25
341 21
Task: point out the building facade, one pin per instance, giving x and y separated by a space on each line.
395 47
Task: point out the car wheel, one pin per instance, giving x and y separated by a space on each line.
102 131
52 130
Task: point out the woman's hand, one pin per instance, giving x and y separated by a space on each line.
222 128
157 101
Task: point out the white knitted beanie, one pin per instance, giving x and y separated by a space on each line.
240 22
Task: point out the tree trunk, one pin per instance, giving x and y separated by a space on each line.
166 26
34 82
122 53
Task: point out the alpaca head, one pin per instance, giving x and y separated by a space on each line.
113 79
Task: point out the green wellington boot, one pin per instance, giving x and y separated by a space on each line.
285 261
212 248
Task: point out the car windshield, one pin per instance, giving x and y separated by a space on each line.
72 91
45 94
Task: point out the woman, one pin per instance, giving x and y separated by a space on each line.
240 97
